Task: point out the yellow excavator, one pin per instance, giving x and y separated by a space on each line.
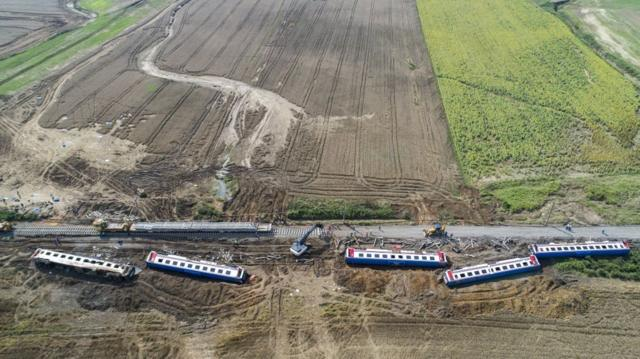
436 230
6 227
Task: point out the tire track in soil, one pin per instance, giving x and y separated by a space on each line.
236 31
195 29
196 52
196 127
360 107
269 66
299 45
323 44
249 44
168 116
187 11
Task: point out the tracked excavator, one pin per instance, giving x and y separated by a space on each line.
299 247
6 227
436 230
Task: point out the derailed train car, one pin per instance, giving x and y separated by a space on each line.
196 268
399 258
87 265
564 250
491 271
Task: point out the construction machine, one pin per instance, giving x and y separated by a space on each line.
436 230
299 247
6 227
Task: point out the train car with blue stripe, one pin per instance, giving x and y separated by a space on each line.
563 250
196 268
491 271
398 258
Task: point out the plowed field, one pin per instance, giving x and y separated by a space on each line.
312 98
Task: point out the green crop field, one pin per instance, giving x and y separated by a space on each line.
525 98
522 93
36 63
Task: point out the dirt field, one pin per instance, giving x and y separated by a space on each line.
314 98
26 22
316 309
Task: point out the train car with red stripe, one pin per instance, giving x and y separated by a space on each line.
397 258
84 264
196 268
563 250
491 271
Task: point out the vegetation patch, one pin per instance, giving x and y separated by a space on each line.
516 197
310 209
626 268
13 216
205 211
523 93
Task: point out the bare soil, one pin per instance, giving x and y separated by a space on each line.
316 309
304 98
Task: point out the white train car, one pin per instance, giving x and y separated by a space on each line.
398 258
196 268
563 250
491 271
85 264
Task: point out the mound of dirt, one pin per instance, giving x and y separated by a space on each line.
535 295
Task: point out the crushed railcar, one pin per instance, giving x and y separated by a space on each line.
397 258
196 268
491 271
85 264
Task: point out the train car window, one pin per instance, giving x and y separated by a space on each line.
359 254
579 247
393 256
462 275
55 254
205 268
400 256
108 264
384 256
504 267
518 265
432 258
181 264
78 259
175 263
497 269
368 255
455 276
484 271
525 264
197 267
424 258
376 255
86 260
48 253
511 266
116 266
476 272
63 256
212 270
572 248
189 265
219 270
159 260
227 272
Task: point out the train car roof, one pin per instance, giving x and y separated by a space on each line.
197 261
380 250
489 265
